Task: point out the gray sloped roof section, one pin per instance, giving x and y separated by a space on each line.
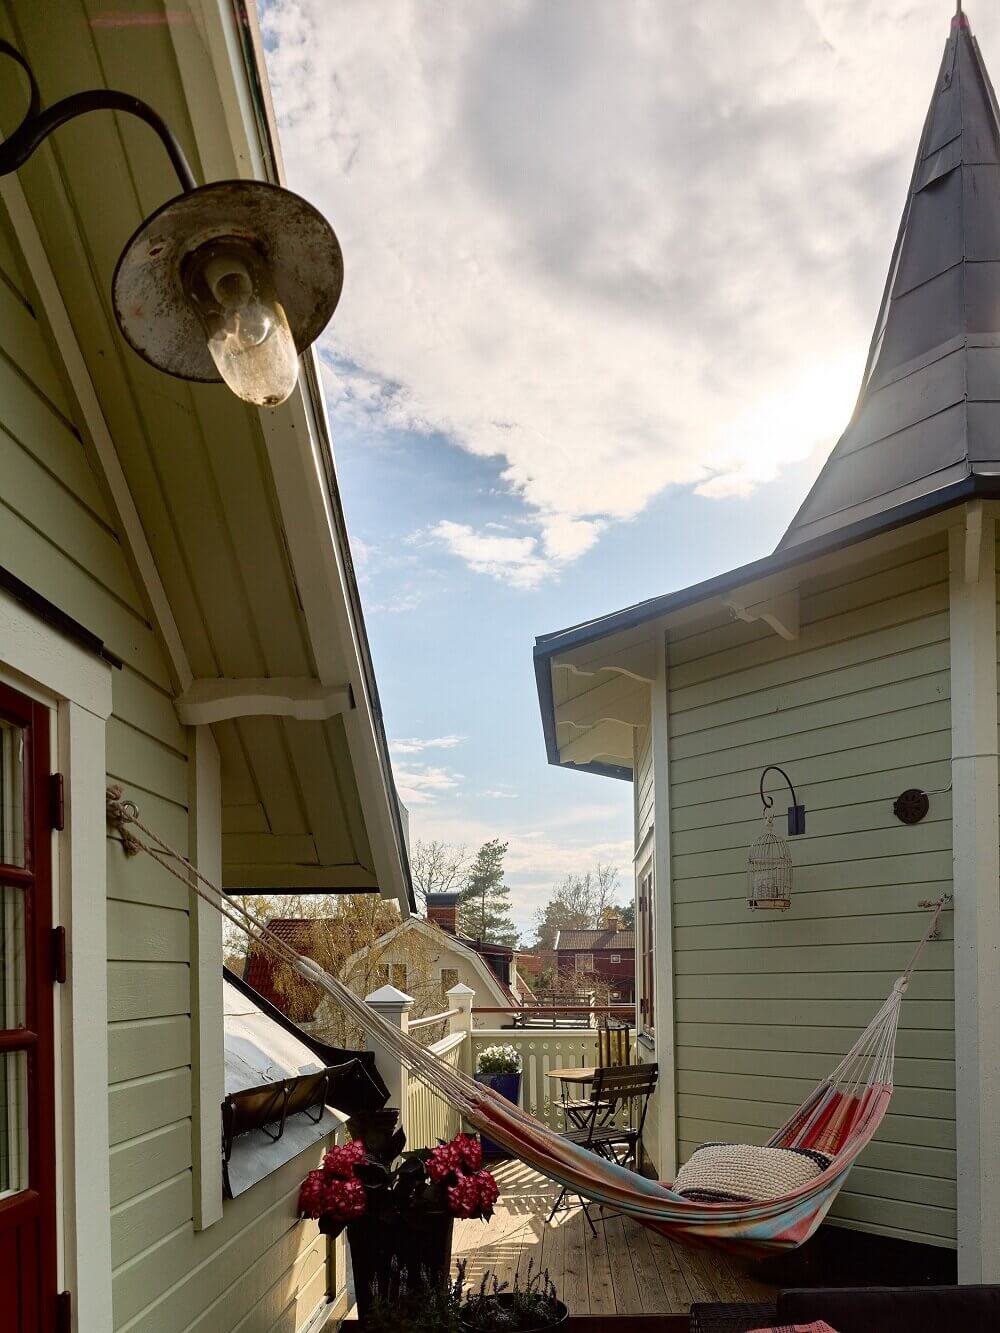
928 415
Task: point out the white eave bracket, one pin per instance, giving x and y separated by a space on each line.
218 700
781 612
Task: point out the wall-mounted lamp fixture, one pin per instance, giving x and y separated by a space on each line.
229 281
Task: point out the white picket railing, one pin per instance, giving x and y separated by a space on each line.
542 1051
429 1117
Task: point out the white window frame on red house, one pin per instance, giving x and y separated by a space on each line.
583 962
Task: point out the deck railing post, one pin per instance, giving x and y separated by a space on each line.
394 1005
462 998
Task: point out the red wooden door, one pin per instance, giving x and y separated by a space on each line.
27 1106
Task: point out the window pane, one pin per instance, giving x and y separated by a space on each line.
11 957
11 794
13 1123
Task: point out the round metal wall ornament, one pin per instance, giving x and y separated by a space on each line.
911 806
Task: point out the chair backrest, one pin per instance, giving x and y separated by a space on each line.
627 1087
613 1046
623 1083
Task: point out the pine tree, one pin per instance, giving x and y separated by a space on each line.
484 903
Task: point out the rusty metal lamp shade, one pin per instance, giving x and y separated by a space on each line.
769 870
229 281
284 242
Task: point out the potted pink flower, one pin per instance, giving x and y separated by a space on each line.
398 1207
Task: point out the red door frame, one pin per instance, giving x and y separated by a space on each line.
28 1218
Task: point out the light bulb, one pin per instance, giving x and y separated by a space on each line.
230 288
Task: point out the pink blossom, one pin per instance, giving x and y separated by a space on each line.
471 1151
312 1194
344 1199
443 1160
340 1162
463 1197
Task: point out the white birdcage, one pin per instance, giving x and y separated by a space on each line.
769 870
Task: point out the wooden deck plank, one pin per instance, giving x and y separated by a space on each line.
626 1269
599 1280
645 1269
626 1288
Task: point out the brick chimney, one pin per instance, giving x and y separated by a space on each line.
442 910
612 922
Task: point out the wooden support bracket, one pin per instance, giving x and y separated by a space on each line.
217 700
781 612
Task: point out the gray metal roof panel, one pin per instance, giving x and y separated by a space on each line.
943 285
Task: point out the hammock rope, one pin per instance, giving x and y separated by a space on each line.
838 1118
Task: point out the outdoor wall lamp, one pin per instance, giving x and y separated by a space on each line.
230 281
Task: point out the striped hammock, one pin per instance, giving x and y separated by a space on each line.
838 1118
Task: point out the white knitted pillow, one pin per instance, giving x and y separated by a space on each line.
740 1172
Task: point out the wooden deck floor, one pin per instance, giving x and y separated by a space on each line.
626 1269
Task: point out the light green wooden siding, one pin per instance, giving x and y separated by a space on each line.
856 709
259 1264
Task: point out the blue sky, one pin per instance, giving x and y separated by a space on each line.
612 268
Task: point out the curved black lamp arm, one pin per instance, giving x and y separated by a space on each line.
796 812
37 124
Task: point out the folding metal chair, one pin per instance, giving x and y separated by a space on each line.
614 1088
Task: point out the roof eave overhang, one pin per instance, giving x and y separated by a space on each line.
260 125
549 646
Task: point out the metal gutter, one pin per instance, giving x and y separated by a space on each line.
548 646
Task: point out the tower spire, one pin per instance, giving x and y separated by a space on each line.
926 427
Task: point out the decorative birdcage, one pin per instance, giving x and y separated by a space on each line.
769 870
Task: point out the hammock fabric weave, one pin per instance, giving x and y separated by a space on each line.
838 1118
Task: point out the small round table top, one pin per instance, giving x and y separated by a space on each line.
579 1074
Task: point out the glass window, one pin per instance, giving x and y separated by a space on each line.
398 974
11 794
13 1122
616 957
11 957
585 962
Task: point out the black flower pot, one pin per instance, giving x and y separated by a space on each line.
505 1300
381 1252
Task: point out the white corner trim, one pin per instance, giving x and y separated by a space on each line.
207 1037
976 886
663 936
217 700
973 540
781 612
86 1202
129 524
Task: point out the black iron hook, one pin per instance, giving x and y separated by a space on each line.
796 812
37 124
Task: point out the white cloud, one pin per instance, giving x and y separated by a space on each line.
516 560
416 744
422 784
606 245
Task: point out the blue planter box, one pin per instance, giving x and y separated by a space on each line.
508 1086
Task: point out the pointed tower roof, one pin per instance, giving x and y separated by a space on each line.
926 427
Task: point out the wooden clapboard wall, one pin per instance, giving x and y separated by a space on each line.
259 1263
856 709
